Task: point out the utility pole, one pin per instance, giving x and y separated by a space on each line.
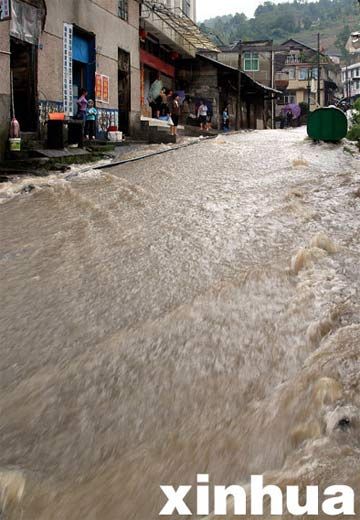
272 85
238 102
309 88
319 74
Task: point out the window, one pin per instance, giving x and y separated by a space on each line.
251 62
303 74
123 9
288 99
292 74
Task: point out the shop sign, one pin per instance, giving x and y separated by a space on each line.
5 10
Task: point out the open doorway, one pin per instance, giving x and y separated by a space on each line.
23 67
124 90
84 64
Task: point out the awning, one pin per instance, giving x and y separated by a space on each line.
176 28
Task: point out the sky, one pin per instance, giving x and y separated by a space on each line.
209 8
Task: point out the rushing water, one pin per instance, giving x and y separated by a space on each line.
197 312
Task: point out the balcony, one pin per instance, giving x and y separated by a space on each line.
293 59
281 80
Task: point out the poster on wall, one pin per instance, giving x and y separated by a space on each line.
102 88
4 10
68 69
98 87
105 89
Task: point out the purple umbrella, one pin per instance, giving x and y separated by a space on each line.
295 109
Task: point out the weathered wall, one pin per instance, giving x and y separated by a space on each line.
202 81
4 85
263 75
101 18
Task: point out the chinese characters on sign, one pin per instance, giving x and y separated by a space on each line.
4 9
68 69
102 85
98 87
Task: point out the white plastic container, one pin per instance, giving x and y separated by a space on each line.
115 137
15 144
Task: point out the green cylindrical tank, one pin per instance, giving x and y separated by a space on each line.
327 124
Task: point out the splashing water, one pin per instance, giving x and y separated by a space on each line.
194 313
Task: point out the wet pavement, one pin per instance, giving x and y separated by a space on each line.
196 312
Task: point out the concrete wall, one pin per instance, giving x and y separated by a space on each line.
101 18
4 85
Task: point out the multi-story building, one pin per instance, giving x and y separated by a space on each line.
300 63
50 49
350 76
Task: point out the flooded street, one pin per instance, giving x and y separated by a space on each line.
196 312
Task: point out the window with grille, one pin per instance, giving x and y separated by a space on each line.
123 9
251 62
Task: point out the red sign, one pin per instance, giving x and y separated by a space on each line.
98 87
102 88
105 89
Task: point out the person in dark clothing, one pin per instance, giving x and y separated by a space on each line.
174 112
289 118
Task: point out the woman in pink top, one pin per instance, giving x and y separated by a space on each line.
82 104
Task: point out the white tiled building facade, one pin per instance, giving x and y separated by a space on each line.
351 80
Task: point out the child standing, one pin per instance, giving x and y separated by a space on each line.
226 120
90 127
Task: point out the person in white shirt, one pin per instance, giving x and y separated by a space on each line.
202 115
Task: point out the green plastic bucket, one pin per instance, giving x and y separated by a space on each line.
327 124
15 144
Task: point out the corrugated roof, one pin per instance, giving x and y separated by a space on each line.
179 22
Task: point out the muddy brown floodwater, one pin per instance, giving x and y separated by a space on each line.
197 312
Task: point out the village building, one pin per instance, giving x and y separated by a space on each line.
51 49
300 63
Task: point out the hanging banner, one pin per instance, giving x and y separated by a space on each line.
98 87
105 89
68 69
5 10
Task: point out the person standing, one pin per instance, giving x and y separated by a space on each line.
82 104
289 118
174 112
226 120
90 125
203 114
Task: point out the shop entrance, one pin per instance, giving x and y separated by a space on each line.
124 86
23 66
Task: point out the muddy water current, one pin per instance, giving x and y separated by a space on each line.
197 312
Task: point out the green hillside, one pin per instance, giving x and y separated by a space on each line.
299 19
